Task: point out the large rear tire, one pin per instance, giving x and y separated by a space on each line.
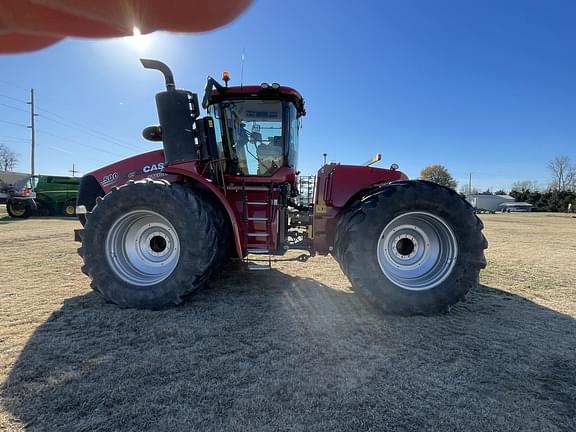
411 247
149 243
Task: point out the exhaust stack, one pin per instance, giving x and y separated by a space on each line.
177 111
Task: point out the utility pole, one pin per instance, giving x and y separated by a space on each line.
73 171
470 186
32 116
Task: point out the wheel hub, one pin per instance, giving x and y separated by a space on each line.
417 250
405 246
142 247
159 243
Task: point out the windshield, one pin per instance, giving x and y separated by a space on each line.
254 132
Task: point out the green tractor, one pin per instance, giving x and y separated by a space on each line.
44 196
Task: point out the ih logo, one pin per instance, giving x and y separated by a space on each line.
153 167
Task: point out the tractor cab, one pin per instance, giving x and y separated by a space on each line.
256 127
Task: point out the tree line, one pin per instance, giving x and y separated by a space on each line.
559 195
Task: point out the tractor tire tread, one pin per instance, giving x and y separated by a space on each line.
193 219
383 204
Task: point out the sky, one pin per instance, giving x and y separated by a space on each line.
482 87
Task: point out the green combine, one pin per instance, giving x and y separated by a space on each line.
44 196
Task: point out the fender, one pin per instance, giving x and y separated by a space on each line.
337 184
336 187
188 170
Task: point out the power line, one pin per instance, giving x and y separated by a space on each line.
13 85
13 98
13 123
92 159
17 144
71 124
93 134
13 138
75 124
14 108
80 144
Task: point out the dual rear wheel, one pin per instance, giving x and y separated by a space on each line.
411 247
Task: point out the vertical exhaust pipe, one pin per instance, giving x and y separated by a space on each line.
162 67
177 111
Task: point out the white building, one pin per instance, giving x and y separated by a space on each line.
515 207
489 202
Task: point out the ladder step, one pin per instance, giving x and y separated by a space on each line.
257 234
259 267
261 219
258 251
256 202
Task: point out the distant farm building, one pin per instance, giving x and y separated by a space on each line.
515 207
489 203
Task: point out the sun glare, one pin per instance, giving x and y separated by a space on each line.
138 40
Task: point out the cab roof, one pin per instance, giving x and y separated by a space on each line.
258 92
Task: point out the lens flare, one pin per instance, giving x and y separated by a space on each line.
138 40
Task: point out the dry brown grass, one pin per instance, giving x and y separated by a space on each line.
290 349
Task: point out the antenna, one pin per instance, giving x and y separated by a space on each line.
242 69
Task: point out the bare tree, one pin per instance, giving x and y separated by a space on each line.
525 186
563 173
438 174
8 158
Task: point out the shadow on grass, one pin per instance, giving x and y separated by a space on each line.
273 352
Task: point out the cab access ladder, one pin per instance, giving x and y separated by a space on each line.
258 216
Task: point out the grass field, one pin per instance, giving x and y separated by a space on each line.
290 349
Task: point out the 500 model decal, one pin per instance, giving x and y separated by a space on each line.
110 178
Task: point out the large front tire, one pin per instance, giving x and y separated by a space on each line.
411 247
148 243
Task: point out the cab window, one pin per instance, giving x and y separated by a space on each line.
254 133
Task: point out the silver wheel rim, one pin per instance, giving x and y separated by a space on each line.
142 247
417 251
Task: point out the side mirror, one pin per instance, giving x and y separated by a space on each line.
152 133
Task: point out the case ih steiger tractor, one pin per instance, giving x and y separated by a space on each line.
157 225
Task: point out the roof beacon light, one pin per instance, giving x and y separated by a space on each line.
275 86
264 85
226 77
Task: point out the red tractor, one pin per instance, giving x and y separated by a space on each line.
157 225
